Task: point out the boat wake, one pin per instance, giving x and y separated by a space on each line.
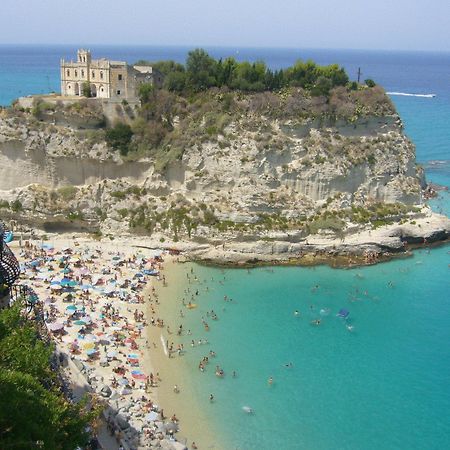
406 94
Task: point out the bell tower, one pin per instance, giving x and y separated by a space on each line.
84 56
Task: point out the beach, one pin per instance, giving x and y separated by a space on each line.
98 299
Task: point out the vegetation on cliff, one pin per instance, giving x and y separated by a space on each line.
202 97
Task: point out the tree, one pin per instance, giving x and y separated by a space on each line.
119 137
86 89
146 91
322 87
175 81
34 413
201 70
370 83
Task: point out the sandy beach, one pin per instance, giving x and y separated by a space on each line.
195 424
99 299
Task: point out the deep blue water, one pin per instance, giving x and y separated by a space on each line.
384 385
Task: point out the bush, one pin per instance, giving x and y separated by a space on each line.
370 83
67 192
16 205
119 137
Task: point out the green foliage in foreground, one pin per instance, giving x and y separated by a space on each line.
33 413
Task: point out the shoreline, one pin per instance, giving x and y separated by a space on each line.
195 424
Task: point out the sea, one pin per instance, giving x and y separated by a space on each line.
377 379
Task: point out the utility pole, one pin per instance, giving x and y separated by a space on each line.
359 74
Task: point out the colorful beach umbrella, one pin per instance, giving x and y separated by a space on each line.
79 322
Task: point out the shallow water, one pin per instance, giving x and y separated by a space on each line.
382 385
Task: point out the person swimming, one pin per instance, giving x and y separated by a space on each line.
247 409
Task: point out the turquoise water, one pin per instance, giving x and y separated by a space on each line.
383 385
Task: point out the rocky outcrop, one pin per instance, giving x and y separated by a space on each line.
265 185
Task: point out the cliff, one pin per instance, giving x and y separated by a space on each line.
269 168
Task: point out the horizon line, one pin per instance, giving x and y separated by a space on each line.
194 46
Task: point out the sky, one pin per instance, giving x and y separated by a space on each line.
353 24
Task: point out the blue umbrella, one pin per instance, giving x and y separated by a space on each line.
79 322
72 308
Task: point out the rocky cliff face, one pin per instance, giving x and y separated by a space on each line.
260 175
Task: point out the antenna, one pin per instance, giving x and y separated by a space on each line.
48 83
359 74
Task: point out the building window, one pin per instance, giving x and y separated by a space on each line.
118 92
120 77
101 75
82 73
68 73
93 74
76 73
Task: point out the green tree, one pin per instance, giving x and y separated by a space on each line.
322 87
370 83
146 92
34 414
119 137
86 89
201 70
175 81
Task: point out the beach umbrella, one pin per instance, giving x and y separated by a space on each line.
138 375
56 326
86 287
152 416
123 381
91 338
79 322
111 354
66 270
56 287
72 308
89 345
91 352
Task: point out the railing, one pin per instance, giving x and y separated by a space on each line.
9 266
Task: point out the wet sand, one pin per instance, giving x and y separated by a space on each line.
195 424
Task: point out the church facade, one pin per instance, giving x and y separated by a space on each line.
102 78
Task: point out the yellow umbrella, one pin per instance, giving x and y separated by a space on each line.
89 345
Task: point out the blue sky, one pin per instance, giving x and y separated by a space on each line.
377 24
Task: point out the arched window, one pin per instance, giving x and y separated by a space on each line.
93 74
68 72
82 73
76 73
101 75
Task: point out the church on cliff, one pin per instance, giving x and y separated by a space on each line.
102 78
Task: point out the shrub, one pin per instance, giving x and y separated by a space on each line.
16 205
67 192
119 137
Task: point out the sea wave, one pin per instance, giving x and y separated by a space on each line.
406 94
